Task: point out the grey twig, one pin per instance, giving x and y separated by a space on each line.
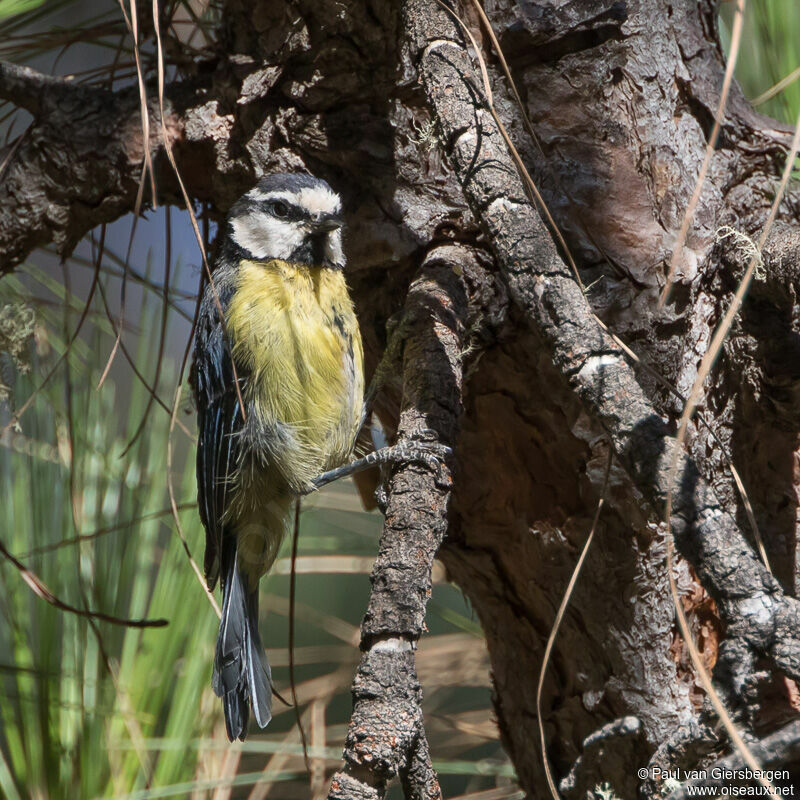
607 752
386 736
33 91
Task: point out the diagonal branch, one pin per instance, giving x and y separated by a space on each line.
760 617
387 736
80 162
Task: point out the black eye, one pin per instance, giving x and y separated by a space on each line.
279 209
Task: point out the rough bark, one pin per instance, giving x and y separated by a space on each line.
621 96
758 615
387 735
79 164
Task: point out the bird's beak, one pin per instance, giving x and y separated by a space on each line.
326 224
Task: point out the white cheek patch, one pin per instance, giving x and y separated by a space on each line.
264 236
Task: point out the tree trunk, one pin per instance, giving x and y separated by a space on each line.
385 101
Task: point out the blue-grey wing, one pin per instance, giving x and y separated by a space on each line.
220 421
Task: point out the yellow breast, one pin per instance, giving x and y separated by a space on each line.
294 332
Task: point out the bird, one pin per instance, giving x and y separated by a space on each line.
278 382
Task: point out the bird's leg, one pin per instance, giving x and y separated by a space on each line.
430 453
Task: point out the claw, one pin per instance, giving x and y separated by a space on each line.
434 455
431 461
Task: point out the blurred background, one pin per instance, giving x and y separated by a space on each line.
91 353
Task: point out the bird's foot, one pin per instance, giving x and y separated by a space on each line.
432 454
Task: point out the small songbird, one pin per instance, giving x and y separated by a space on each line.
289 335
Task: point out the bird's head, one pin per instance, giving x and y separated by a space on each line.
293 217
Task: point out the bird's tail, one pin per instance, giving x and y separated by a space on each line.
241 673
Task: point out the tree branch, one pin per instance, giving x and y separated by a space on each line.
80 162
611 750
759 616
386 736
35 91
